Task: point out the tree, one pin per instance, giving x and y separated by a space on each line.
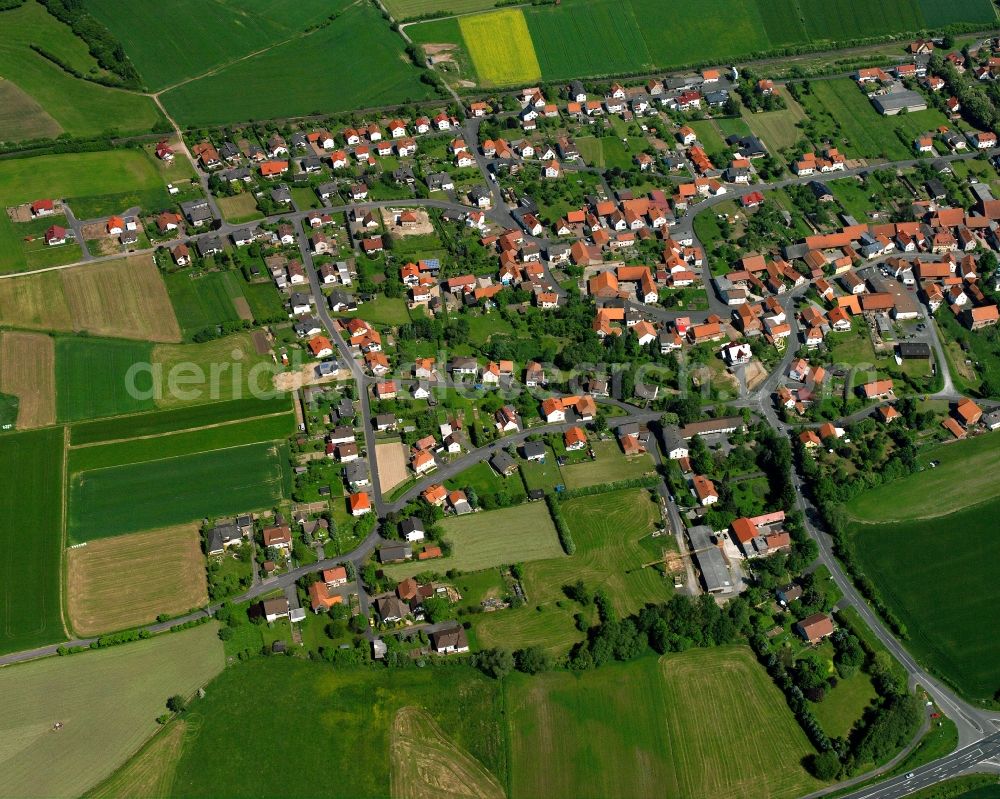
496 663
176 704
532 660
824 765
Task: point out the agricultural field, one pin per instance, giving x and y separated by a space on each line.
426 763
175 420
160 493
107 701
129 580
51 96
203 37
492 538
285 77
611 532
86 180
21 117
863 132
149 772
937 12
777 129
204 301
92 377
957 555
27 371
501 47
610 465
849 19
655 734
31 539
410 9
318 705
173 445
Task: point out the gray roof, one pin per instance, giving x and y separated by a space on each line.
391 552
533 449
714 571
501 461
209 244
412 525
356 471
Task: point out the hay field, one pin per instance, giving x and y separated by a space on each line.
21 117
391 459
124 298
149 774
107 701
501 47
28 371
656 727
427 764
122 582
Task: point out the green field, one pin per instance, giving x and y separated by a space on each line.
610 465
492 538
177 419
92 377
172 445
204 301
107 702
76 177
161 493
340 717
939 12
78 107
611 532
202 36
656 726
865 132
965 477
939 578
777 129
287 79
835 20
485 482
31 537
409 9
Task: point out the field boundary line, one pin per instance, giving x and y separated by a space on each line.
166 433
924 518
185 455
64 537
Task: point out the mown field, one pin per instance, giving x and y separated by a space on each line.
316 706
174 420
76 177
52 97
205 301
501 47
93 377
201 36
149 773
27 371
939 576
21 117
160 493
117 583
611 532
777 129
609 466
288 80
492 538
172 445
107 702
580 38
656 726
31 540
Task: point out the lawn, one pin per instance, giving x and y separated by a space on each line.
285 81
965 477
204 301
610 465
943 590
709 137
544 475
31 537
844 705
501 47
107 702
174 420
484 480
318 705
92 377
172 445
78 107
117 583
68 176
491 538
611 532
124 499
202 37
382 311
240 208
605 153
661 726
777 129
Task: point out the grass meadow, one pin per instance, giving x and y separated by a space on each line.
501 47
939 577
492 538
777 129
662 726
611 532
160 493
107 701
31 539
92 377
204 301
298 77
21 117
78 107
317 706
610 465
